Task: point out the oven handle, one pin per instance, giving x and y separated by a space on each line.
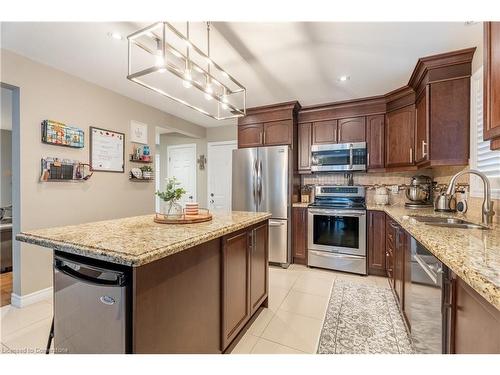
337 212
326 254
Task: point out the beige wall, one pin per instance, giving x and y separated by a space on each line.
222 133
47 93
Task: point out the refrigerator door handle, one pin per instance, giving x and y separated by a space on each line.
259 181
255 181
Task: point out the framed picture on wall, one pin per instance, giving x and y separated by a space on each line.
138 132
107 150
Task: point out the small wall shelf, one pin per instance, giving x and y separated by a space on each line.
141 161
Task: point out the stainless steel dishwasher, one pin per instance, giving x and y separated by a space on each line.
425 300
90 308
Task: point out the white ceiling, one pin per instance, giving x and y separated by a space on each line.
275 61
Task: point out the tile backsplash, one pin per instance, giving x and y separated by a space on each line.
440 175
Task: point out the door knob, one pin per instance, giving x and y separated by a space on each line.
211 194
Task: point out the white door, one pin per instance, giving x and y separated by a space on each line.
219 166
182 166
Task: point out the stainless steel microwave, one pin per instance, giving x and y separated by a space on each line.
338 157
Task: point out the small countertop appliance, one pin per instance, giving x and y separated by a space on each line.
419 192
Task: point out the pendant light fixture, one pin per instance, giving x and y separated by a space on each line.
156 61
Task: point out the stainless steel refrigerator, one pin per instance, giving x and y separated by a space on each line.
262 183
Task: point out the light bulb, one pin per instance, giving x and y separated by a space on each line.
208 90
187 79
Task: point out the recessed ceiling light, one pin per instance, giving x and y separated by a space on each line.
115 35
344 78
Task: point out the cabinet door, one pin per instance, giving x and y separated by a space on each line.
491 56
258 266
399 249
299 234
324 132
399 137
422 127
390 230
375 141
376 243
449 122
304 151
278 133
250 135
352 130
236 287
477 322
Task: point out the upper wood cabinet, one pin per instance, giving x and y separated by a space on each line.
352 130
324 132
422 128
304 147
399 137
269 126
491 95
375 142
299 234
278 133
251 135
376 243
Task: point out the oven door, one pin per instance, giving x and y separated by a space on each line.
338 157
337 230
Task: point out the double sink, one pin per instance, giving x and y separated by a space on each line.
448 222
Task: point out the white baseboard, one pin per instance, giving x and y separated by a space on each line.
28 299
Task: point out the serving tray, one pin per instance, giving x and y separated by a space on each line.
203 215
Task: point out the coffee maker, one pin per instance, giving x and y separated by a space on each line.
419 192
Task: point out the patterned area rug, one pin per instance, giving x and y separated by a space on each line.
362 319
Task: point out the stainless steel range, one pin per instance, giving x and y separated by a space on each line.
337 229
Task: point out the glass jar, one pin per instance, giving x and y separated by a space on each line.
171 209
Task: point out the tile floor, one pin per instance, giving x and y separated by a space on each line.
298 297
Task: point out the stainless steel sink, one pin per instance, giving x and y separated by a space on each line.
449 222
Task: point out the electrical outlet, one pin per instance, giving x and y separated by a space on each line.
394 189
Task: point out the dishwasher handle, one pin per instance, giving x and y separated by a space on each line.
62 266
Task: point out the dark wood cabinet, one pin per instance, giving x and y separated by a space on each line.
491 93
399 137
258 266
390 231
244 278
278 133
324 132
422 127
376 243
270 125
236 284
375 130
472 324
251 135
304 148
401 242
352 130
299 234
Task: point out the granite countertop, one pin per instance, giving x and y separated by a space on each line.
300 204
135 241
472 254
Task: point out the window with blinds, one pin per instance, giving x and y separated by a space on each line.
482 158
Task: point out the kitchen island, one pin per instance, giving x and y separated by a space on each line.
184 288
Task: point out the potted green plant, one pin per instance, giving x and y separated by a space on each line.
173 192
147 172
